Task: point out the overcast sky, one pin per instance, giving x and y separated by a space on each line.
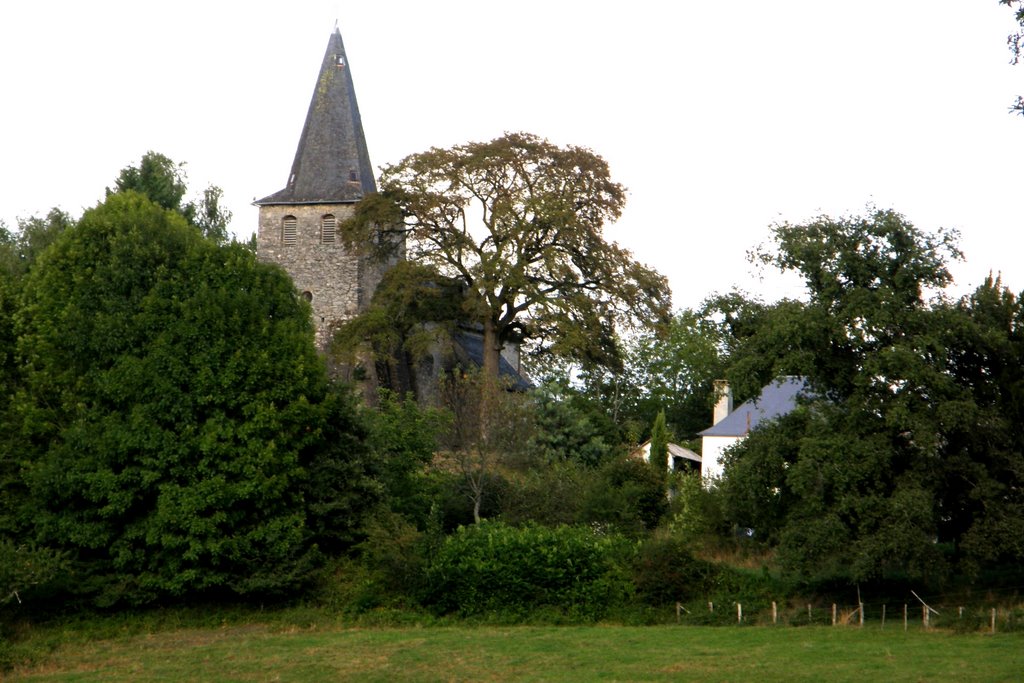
719 117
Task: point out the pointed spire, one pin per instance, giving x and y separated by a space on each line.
331 164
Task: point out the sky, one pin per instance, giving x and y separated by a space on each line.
720 118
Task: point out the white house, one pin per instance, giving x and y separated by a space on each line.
731 426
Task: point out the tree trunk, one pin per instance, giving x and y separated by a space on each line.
491 350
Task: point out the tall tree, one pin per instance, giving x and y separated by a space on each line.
165 183
673 369
173 419
853 484
519 222
659 444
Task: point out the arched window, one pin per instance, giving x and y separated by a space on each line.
288 230
327 229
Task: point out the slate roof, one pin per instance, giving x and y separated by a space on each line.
473 345
777 399
332 164
674 451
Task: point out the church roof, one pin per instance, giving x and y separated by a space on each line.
777 398
331 164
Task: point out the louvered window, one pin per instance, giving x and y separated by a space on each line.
327 229
288 230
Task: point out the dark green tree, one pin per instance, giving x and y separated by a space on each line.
156 177
165 183
174 426
673 369
852 483
659 445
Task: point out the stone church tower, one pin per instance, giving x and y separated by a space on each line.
330 174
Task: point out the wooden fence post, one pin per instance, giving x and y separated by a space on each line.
883 615
833 614
711 607
993 620
775 613
924 615
904 616
809 618
739 613
861 609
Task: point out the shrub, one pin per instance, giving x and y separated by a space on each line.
493 567
665 571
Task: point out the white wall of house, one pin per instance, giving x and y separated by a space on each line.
712 448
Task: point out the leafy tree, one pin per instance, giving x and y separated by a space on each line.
835 486
173 420
413 313
20 250
1015 41
569 427
156 177
165 183
673 369
403 437
518 222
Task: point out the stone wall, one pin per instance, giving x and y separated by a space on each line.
337 283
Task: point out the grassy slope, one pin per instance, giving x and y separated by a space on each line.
612 653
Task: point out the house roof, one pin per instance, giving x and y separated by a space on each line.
332 164
674 451
473 345
777 398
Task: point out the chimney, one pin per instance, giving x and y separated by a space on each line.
723 401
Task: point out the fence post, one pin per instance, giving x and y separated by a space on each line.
775 613
904 616
711 606
883 615
739 613
924 615
833 614
993 620
861 609
809 619
679 606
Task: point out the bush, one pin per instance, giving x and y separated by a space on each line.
665 572
493 567
627 495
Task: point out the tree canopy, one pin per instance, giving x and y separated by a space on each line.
519 223
165 183
906 437
172 426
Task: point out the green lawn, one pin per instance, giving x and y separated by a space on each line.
609 653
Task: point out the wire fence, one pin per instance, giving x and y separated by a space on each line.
1000 611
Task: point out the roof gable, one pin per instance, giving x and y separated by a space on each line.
777 398
332 164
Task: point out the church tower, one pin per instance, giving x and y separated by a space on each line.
330 174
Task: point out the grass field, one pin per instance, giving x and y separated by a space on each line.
262 652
